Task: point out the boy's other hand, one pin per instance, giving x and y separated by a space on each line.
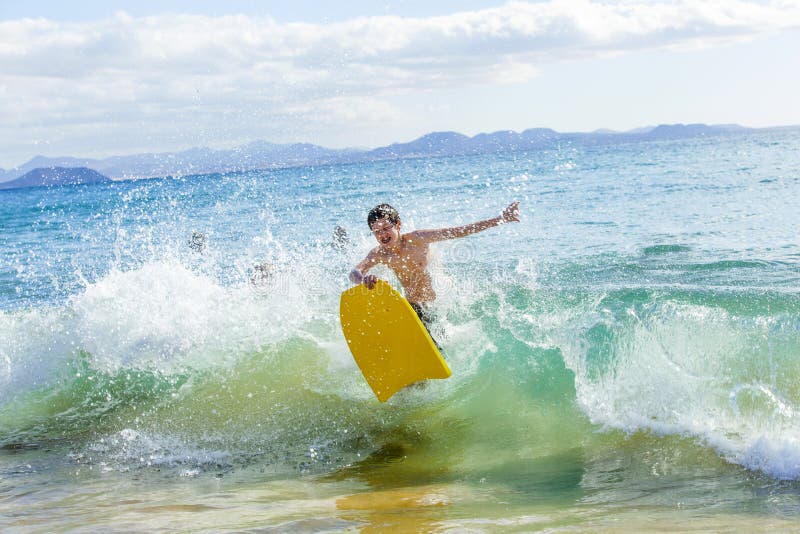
370 280
511 213
356 277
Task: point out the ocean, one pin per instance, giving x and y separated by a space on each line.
625 358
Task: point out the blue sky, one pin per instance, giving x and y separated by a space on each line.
287 11
94 79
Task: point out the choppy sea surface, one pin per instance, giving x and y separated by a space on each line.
625 358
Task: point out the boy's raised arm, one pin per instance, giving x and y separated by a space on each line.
510 214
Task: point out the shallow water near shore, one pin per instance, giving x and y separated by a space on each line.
623 359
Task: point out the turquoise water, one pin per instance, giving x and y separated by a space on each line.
626 356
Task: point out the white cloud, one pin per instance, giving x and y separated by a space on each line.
175 71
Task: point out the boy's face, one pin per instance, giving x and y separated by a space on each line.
386 232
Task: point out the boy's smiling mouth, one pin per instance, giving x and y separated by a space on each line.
384 231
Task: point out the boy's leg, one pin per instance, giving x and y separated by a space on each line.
427 319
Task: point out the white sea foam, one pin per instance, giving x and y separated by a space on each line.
686 369
161 316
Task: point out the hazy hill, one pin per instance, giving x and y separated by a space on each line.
452 143
432 144
53 176
264 155
256 155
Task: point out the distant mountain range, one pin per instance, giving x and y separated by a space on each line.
53 176
264 155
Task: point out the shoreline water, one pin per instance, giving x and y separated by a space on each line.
383 493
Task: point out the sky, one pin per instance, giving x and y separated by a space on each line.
95 79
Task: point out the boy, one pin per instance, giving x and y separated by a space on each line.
407 254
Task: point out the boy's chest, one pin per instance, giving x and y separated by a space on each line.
410 259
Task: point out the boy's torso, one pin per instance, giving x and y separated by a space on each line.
410 265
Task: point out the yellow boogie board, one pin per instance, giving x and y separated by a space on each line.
389 343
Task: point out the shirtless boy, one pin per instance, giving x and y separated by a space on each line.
407 254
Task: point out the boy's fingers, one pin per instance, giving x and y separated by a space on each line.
511 213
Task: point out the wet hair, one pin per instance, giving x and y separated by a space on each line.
382 211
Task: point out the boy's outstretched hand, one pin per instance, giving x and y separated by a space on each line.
511 213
